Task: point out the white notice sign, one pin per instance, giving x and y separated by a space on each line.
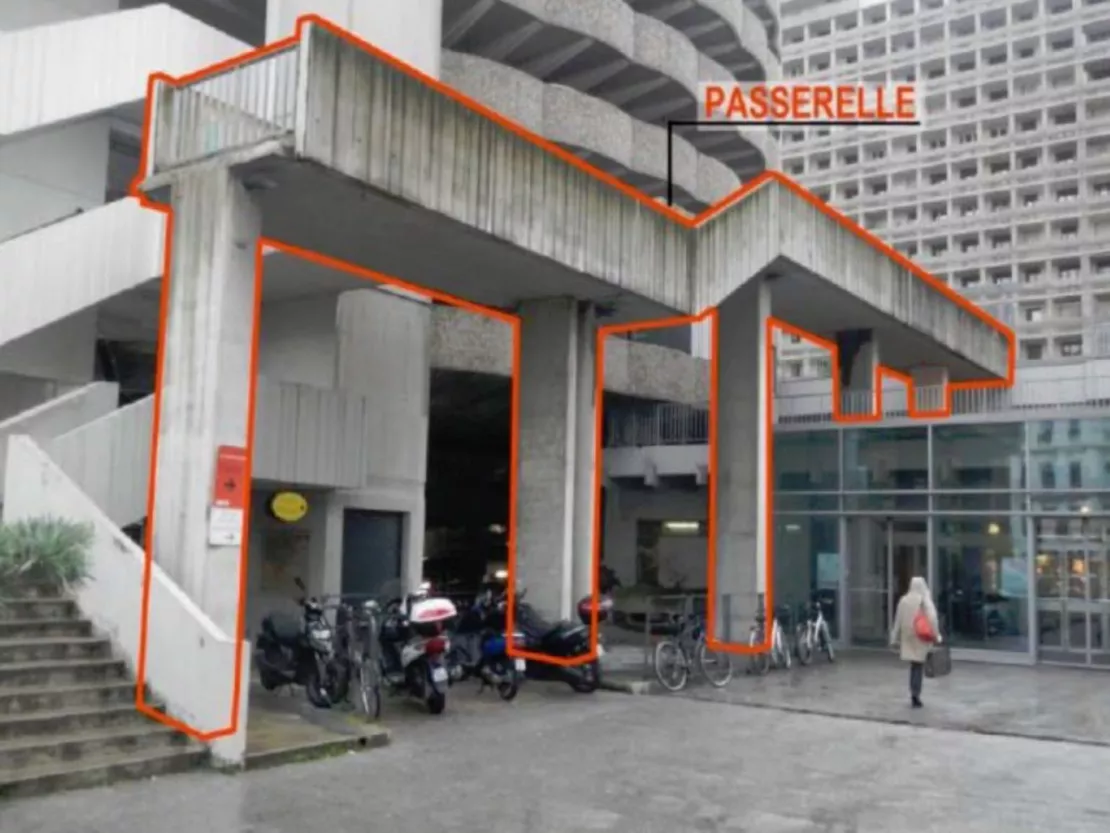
225 527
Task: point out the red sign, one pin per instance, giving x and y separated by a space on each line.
230 490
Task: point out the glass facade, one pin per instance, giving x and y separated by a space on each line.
1008 521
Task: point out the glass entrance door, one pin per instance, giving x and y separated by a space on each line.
1073 604
883 555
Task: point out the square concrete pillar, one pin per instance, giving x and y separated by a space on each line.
555 476
857 368
384 354
930 388
206 376
739 470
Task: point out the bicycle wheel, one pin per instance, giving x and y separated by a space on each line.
826 644
715 666
780 652
671 667
369 689
804 645
759 663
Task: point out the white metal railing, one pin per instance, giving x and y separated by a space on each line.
230 109
677 424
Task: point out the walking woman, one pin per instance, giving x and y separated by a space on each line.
914 632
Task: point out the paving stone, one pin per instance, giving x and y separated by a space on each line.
556 762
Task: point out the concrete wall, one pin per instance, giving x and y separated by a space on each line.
624 507
58 416
280 552
108 458
51 173
296 341
408 29
19 14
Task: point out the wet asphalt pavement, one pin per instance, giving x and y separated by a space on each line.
555 762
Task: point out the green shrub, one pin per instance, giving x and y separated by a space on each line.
44 551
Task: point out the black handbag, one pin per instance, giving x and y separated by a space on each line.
939 661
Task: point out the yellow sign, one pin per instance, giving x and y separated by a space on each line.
288 506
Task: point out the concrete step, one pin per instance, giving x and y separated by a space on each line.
71 721
25 699
37 608
53 648
99 771
50 673
43 628
43 751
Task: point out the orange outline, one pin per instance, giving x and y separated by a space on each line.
630 192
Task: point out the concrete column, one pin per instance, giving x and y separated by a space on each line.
858 357
739 471
205 381
383 336
383 353
555 496
929 387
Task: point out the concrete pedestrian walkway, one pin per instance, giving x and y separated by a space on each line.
1042 702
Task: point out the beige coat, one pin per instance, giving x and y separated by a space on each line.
902 634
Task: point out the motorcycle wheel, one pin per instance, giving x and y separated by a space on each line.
437 702
270 682
509 685
459 664
589 680
317 690
339 681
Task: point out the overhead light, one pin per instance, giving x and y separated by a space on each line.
497 529
793 527
1084 509
993 529
501 575
681 526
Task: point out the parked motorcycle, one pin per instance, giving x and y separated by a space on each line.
292 650
479 648
564 639
414 645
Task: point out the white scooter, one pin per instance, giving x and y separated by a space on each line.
414 644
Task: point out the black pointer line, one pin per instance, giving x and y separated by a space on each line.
671 125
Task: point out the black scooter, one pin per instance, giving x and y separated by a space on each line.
293 650
564 639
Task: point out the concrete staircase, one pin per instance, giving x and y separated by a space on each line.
67 706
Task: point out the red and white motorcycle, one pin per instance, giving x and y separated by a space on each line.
414 645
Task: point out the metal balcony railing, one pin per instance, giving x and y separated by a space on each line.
225 110
675 424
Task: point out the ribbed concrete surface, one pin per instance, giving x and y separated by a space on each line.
629 148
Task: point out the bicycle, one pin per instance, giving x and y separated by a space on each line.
358 633
779 653
814 635
691 640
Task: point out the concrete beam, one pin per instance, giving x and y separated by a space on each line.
468 342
